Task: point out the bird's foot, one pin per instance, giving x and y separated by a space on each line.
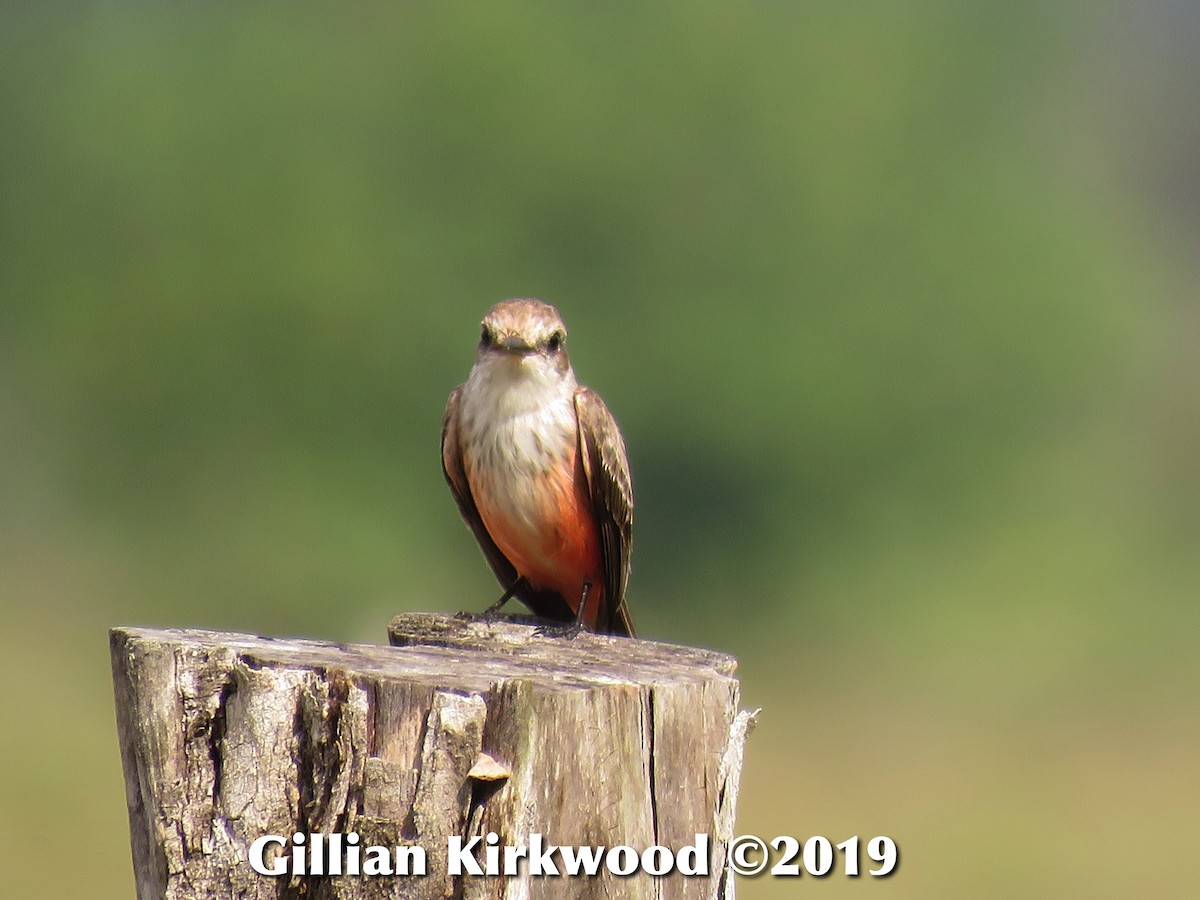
487 617
568 631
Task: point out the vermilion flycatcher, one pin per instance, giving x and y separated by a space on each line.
538 468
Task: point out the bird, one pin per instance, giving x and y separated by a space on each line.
538 469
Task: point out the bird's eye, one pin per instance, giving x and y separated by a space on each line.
556 341
485 336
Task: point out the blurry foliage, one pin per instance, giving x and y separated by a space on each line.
907 395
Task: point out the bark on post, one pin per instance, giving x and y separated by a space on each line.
463 728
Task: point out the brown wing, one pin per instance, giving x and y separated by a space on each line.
607 470
546 604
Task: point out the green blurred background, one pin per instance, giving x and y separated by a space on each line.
895 303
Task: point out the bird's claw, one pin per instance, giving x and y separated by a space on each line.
487 617
560 631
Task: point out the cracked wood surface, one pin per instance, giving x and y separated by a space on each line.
462 727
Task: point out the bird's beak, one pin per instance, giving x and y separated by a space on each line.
514 343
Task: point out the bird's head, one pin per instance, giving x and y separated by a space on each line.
525 334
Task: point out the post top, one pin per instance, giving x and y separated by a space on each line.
428 647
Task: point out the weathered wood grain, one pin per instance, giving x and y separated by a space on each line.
461 728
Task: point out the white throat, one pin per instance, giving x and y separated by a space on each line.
504 387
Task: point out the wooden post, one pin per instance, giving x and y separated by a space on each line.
462 730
